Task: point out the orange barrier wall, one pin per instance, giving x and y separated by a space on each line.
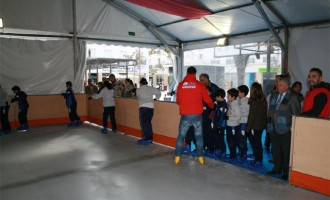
48 109
310 148
165 122
310 154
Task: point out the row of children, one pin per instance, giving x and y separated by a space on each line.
21 97
238 118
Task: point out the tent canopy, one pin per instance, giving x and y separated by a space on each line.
46 38
158 21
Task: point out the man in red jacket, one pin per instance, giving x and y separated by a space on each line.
317 100
190 96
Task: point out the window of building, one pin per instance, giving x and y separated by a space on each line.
251 60
215 62
229 61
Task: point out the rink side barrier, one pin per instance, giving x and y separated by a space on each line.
165 121
310 142
310 153
48 110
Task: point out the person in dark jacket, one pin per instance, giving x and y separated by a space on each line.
71 103
317 100
205 79
256 122
4 109
296 87
219 123
23 107
282 106
207 128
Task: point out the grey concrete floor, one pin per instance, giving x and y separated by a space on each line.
54 162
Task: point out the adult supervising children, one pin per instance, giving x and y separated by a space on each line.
190 96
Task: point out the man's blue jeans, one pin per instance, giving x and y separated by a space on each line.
185 122
145 115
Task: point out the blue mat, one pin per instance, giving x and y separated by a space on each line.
266 156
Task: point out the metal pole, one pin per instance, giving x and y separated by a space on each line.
180 62
75 42
126 70
269 23
139 64
97 74
268 59
285 53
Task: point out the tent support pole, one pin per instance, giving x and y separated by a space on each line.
269 24
285 53
75 41
180 65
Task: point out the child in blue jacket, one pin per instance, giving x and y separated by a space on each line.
207 128
219 123
71 103
23 107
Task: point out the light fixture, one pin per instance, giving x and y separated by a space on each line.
1 24
222 42
257 55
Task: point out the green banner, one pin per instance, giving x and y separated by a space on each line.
271 70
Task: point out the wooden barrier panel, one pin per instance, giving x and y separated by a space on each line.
165 122
310 154
48 109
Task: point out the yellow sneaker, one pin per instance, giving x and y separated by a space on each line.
177 159
201 160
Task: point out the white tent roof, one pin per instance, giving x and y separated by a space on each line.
41 66
121 21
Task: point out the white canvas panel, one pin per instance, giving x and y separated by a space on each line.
37 67
39 15
308 48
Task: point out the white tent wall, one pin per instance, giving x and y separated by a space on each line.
78 84
38 15
37 67
309 47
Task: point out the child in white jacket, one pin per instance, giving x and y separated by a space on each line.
244 106
107 93
233 125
